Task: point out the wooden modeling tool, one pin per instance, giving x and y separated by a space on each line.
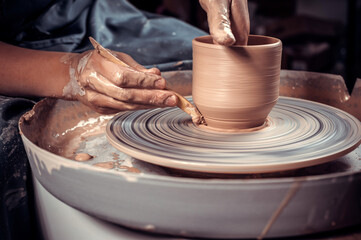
183 103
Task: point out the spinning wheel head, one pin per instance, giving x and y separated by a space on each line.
298 134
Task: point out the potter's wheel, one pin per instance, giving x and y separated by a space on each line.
298 133
308 200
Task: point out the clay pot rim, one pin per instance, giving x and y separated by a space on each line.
198 42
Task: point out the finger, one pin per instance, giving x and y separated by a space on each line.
141 79
134 64
107 105
160 98
128 77
218 21
240 21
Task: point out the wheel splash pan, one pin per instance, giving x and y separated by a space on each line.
156 199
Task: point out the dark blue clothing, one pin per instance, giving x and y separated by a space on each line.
55 25
66 25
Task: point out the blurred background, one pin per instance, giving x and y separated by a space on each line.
317 35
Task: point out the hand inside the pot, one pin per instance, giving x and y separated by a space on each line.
109 88
228 21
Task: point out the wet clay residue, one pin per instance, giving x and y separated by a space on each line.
105 165
118 165
236 87
115 156
130 169
81 157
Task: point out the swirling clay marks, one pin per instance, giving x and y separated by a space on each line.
299 133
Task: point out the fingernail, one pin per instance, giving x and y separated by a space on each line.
160 83
171 101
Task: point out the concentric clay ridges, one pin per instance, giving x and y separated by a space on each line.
237 84
297 134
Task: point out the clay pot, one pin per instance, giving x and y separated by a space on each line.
236 87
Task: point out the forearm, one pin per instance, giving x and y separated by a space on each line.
88 77
26 72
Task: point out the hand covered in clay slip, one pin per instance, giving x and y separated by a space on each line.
228 21
108 88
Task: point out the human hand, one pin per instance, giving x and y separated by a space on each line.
228 21
108 88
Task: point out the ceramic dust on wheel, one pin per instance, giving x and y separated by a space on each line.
298 133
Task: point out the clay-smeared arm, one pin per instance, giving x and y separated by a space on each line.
87 77
228 21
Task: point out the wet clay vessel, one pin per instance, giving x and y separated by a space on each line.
236 87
